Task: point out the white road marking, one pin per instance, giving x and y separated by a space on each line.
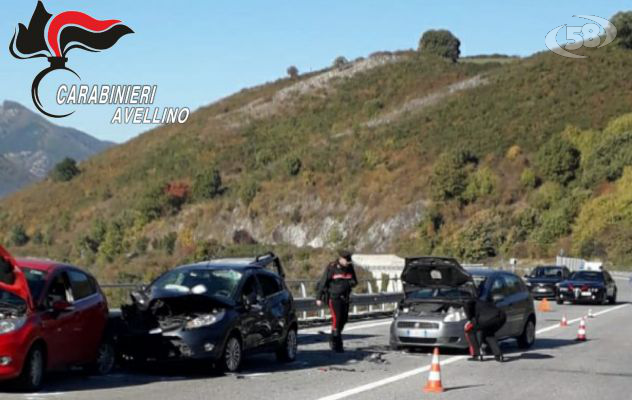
413 372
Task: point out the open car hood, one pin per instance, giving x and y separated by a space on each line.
433 272
12 279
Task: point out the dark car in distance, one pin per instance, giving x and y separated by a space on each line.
52 316
436 291
215 310
543 280
588 287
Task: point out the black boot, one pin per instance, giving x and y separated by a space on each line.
338 346
332 340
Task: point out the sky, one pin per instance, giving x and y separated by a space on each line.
198 51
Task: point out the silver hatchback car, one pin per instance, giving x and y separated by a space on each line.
436 292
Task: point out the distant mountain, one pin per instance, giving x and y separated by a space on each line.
30 146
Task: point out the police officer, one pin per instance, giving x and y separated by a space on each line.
334 288
485 319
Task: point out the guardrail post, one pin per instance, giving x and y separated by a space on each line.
304 296
370 291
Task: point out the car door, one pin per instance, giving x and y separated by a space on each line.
275 306
252 326
610 285
498 290
518 300
91 310
59 327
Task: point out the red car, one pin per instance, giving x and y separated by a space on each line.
52 316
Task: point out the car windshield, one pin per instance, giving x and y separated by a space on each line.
464 291
587 276
209 282
36 280
546 272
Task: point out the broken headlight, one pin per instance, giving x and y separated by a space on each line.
205 320
10 325
455 315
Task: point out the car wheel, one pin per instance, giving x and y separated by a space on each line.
527 338
106 359
613 299
232 355
30 380
287 351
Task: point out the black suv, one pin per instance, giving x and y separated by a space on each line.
215 310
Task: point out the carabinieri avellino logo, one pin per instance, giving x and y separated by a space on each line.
52 37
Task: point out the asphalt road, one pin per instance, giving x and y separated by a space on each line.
556 367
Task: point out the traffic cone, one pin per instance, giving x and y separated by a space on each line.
434 377
590 313
564 321
544 306
581 332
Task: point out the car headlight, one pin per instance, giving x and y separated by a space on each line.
595 289
528 283
10 325
455 315
205 320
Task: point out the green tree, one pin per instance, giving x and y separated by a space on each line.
340 62
207 184
623 21
65 170
292 72
112 245
558 160
18 236
440 43
449 174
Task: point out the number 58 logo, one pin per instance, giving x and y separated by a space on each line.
588 35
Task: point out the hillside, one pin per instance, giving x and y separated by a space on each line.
482 160
30 146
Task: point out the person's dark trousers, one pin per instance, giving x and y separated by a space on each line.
339 309
490 338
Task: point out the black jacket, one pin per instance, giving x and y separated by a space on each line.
485 315
337 281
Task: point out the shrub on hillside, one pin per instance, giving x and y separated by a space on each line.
623 21
558 160
162 200
340 62
293 166
18 236
292 72
65 170
608 159
207 184
528 179
440 43
482 183
248 191
481 237
449 175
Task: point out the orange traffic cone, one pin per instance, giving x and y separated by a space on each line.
544 306
564 321
434 378
581 332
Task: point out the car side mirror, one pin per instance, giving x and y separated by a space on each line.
497 298
61 306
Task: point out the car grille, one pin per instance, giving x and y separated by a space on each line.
417 340
417 325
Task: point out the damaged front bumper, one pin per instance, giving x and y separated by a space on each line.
175 345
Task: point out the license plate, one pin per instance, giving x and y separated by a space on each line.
586 294
541 289
417 333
